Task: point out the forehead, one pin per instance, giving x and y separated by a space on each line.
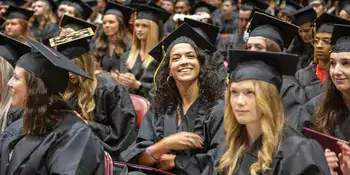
340 55
141 21
109 17
244 14
256 40
181 48
323 35
180 3
245 84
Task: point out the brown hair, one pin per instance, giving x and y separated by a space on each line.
48 16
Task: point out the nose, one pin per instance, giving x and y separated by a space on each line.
240 100
9 84
337 70
184 60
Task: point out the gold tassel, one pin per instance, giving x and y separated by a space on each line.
156 72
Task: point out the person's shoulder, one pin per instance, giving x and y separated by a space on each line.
293 141
105 81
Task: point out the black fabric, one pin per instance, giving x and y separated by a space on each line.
50 30
324 23
14 12
81 8
156 14
114 117
340 38
207 31
11 49
144 75
70 148
296 155
202 6
206 122
304 15
13 115
124 12
227 26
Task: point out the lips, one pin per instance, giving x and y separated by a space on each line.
185 70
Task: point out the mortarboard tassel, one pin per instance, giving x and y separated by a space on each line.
156 72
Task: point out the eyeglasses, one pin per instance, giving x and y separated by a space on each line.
324 41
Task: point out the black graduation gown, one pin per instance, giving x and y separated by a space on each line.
12 115
71 148
169 26
114 120
228 26
50 31
296 155
234 41
310 82
293 96
304 50
110 63
145 76
206 122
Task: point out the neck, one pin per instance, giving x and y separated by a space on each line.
112 39
254 131
189 93
143 46
39 18
322 64
228 16
346 99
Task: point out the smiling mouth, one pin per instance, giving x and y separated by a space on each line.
185 70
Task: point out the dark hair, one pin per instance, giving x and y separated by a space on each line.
44 111
331 111
211 87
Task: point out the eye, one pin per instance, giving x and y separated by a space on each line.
345 62
332 63
233 91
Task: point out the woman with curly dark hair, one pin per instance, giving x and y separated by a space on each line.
50 138
181 131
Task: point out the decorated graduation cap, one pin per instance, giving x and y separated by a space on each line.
82 8
341 38
202 6
152 13
324 23
50 66
73 45
183 34
124 12
250 4
207 31
75 23
272 28
304 15
264 66
11 49
14 12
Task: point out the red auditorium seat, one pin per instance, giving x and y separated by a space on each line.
108 164
141 106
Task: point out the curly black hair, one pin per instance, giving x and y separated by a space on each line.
211 87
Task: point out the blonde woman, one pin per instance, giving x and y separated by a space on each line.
137 66
43 23
102 103
257 139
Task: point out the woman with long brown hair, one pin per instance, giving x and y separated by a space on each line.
104 104
257 139
50 138
112 41
43 23
137 66
16 24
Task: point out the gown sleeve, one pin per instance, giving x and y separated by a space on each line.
198 163
50 31
307 158
67 158
147 81
115 120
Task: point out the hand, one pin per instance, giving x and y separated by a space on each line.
344 157
78 115
332 160
129 80
116 75
166 162
183 141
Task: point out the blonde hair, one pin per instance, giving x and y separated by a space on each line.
272 121
152 40
24 32
48 16
6 72
85 86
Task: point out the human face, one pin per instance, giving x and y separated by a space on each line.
228 8
181 8
319 7
322 46
110 24
38 8
3 9
168 6
305 32
70 10
340 71
243 102
243 19
344 15
74 78
19 88
61 10
183 63
13 28
141 27
257 43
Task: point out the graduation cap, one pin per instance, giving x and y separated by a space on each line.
272 28
152 13
291 7
124 12
91 3
232 1
202 6
341 38
324 23
207 31
76 23
250 4
50 66
82 8
11 49
73 45
136 3
322 1
18 13
264 66
12 2
304 15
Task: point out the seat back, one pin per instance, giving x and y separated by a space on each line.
108 164
141 106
